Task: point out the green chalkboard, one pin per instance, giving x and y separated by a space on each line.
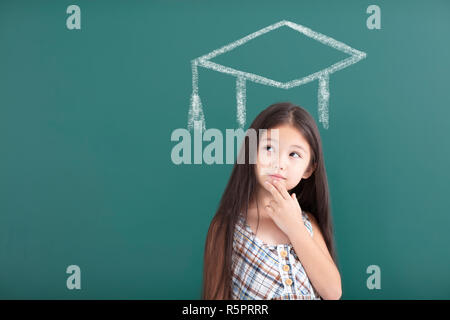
90 96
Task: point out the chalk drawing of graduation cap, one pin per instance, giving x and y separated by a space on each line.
196 118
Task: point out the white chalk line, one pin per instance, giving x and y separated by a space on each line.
196 112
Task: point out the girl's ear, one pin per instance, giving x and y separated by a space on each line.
310 171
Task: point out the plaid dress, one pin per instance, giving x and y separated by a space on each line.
265 272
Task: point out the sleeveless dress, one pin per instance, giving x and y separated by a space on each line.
266 272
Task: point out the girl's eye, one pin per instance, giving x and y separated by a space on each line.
269 147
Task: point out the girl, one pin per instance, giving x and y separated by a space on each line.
272 235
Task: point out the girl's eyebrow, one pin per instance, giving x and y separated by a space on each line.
293 145
300 147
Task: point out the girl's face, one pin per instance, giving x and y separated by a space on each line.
284 152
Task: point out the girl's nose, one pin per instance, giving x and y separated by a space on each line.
280 163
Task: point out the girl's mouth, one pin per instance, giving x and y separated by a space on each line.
277 176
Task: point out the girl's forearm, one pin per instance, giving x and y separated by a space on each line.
322 272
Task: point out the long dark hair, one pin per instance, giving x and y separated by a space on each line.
312 194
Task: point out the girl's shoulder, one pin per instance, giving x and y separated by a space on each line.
317 234
309 216
306 217
313 221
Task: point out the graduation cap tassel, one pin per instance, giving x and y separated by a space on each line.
240 99
196 117
323 99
